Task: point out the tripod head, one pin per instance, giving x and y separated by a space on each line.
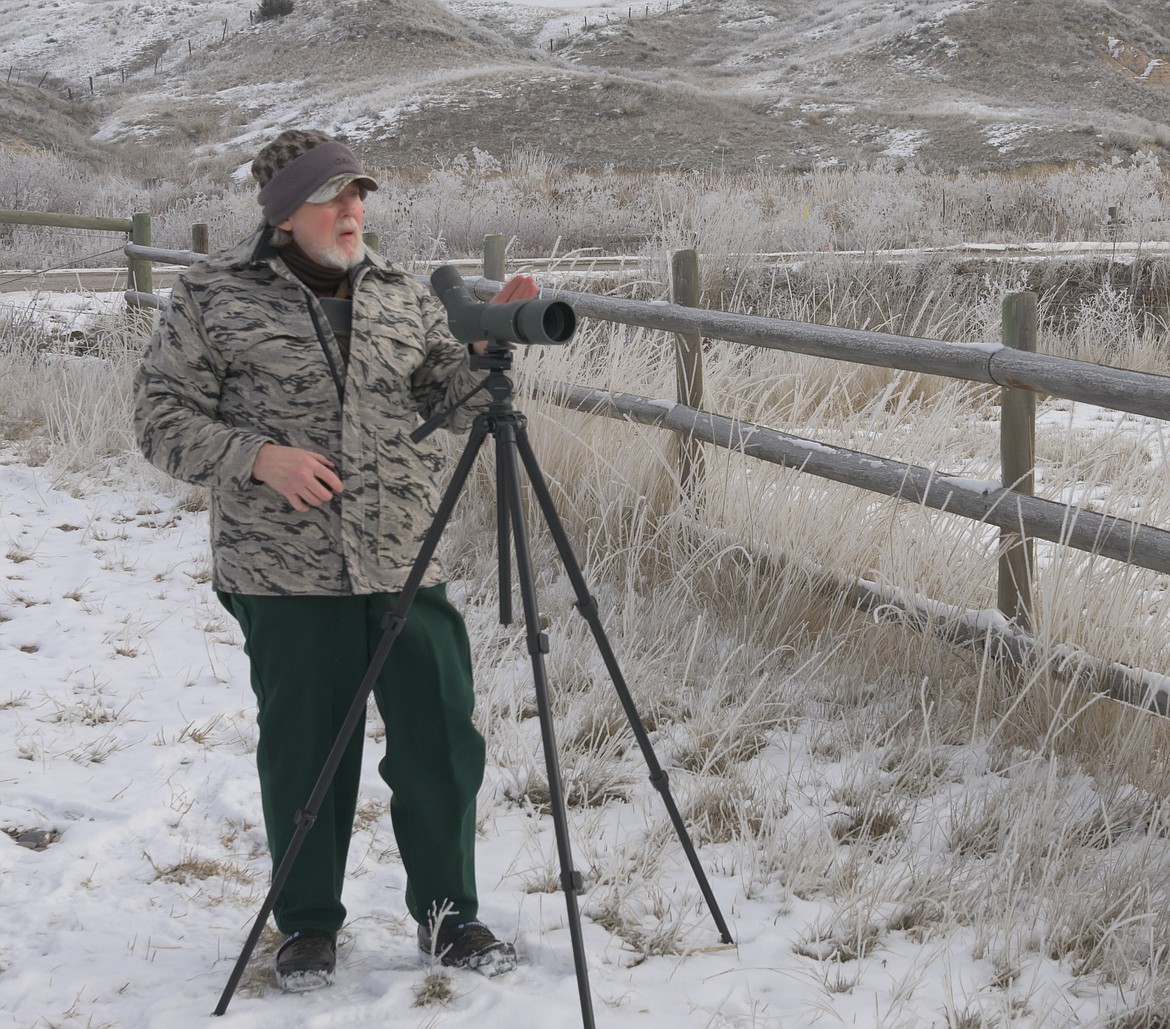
521 321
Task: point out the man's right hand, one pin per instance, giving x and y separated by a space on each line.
306 480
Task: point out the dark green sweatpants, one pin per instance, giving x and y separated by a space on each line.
309 655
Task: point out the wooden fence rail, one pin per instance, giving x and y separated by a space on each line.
136 252
66 221
989 503
140 255
1119 389
1011 364
137 227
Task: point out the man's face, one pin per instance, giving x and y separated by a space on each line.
331 233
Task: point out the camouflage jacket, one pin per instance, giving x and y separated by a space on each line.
244 356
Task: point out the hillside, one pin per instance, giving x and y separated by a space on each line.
732 84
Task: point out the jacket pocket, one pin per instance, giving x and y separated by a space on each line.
406 497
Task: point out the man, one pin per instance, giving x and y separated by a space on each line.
286 376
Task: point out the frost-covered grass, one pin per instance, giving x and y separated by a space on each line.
542 208
900 831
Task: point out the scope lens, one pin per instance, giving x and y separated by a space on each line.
559 322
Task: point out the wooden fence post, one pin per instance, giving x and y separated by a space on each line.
688 363
493 257
200 243
1017 452
139 268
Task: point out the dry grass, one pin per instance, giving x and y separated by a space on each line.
1046 794
912 788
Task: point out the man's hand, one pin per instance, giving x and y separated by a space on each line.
519 287
306 480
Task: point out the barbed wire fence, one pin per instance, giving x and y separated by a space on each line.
109 81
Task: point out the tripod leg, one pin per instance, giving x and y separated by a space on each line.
571 883
504 551
587 606
393 624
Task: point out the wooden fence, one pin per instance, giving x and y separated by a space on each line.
137 228
1012 364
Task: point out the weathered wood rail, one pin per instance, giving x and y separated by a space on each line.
1011 364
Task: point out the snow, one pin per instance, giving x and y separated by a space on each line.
552 20
127 722
1004 136
972 485
78 38
903 142
127 725
81 38
128 739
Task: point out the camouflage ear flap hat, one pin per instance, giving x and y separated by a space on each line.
303 165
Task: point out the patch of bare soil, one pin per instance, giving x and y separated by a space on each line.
597 122
36 120
1135 62
741 86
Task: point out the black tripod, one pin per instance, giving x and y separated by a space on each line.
507 427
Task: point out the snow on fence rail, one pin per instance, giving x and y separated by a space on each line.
1010 364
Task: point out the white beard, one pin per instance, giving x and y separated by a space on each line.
334 257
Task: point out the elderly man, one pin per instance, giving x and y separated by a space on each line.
286 376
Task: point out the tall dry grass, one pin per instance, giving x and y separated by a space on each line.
542 208
917 790
923 789
67 401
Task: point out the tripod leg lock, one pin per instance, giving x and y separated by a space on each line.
660 781
538 643
573 882
588 608
305 818
392 622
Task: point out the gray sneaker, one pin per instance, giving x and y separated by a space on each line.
468 945
306 961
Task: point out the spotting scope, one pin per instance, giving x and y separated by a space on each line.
520 321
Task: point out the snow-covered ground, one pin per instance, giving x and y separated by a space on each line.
126 755
77 37
126 721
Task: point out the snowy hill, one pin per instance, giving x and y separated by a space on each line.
740 84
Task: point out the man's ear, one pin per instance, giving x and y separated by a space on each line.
286 225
